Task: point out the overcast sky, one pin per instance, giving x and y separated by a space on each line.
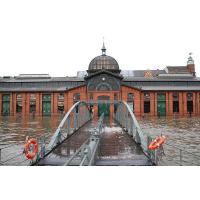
61 37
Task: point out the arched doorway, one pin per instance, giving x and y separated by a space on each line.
103 105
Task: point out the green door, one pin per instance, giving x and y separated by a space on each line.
46 104
103 108
161 105
6 104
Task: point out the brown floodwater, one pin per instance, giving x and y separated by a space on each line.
13 132
182 132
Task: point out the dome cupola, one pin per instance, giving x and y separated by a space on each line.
103 62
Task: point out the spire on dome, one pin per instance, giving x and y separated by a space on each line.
103 49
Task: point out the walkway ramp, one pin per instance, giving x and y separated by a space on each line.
116 147
68 148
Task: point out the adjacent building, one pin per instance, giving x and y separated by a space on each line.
175 90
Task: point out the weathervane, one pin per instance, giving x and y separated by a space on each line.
190 59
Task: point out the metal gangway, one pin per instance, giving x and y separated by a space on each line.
87 153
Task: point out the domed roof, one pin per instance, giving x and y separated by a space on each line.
103 62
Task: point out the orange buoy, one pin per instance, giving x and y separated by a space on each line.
31 154
157 142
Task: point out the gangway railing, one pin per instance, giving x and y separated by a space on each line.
87 153
74 119
174 155
125 117
13 153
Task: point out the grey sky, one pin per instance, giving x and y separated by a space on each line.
61 37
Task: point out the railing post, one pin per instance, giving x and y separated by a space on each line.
68 125
75 119
43 147
181 157
0 154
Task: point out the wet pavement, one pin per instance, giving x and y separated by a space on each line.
118 148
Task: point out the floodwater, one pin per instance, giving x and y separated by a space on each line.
15 129
182 132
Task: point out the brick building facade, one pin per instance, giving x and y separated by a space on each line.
174 90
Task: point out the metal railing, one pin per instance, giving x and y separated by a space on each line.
86 154
178 156
13 154
75 118
125 117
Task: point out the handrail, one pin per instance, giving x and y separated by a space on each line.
126 118
87 151
80 113
57 133
75 118
133 128
183 153
168 144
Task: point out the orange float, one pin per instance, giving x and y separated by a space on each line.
157 142
31 154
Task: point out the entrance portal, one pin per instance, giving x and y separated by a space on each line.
103 105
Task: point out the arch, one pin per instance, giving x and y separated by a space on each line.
103 87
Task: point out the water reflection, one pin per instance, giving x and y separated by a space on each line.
14 129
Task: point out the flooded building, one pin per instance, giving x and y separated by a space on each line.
175 90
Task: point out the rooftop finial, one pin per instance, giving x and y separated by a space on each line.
103 48
190 59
